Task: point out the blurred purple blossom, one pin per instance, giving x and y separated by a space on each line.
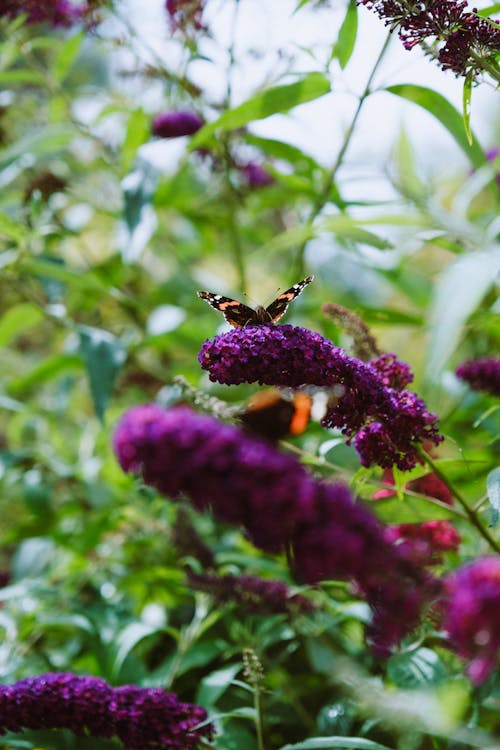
472 615
256 175
481 374
58 13
176 123
142 718
251 593
425 542
185 14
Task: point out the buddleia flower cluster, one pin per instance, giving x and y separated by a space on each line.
481 374
469 43
368 402
246 481
142 718
57 13
472 615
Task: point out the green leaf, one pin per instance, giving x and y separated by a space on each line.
40 143
128 639
17 319
103 355
11 229
418 668
495 8
67 52
215 684
138 130
346 39
493 486
448 116
21 75
264 104
139 215
458 292
50 368
466 102
325 743
347 228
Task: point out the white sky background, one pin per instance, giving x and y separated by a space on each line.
265 26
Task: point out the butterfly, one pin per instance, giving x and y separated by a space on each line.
239 315
273 416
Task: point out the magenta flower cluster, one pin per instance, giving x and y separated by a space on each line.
469 40
246 481
481 374
366 403
54 12
251 593
141 718
472 615
425 542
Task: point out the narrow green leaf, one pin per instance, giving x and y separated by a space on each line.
21 75
345 227
346 39
66 56
466 100
495 8
438 106
493 486
40 143
139 215
50 368
103 355
138 130
458 292
325 743
128 639
266 103
17 319
215 684
11 229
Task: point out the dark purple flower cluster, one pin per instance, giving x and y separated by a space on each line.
393 373
472 615
469 39
177 123
55 12
481 374
141 717
251 593
185 14
386 424
245 480
217 466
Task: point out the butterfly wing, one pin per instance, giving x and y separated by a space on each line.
236 313
279 307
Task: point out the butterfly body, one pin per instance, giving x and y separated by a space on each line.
272 415
239 315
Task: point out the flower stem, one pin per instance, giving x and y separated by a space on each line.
324 194
470 513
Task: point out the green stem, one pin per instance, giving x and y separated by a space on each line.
323 196
469 512
258 720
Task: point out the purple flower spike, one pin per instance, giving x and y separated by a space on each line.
481 374
242 478
247 481
142 718
472 615
387 424
57 13
176 124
